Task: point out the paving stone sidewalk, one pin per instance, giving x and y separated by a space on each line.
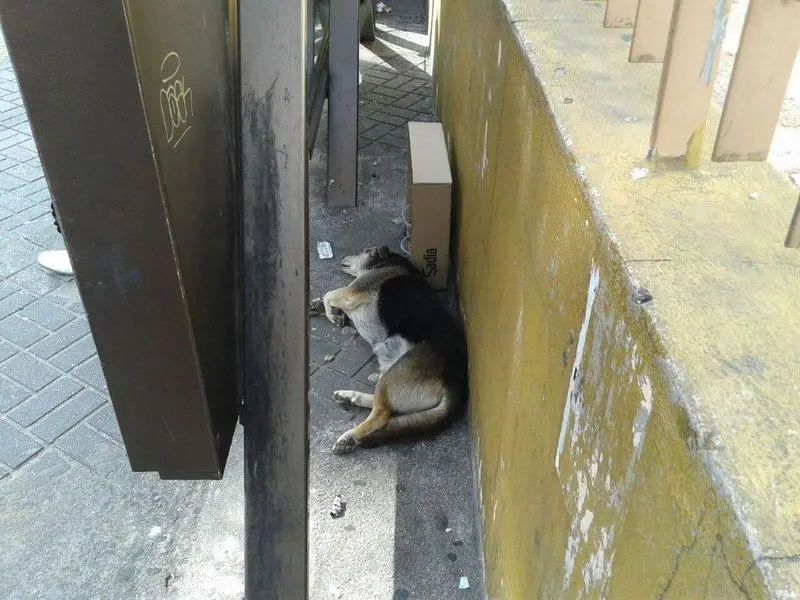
75 522
52 391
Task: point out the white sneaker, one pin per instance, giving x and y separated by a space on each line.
56 261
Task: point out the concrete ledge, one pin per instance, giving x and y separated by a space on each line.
625 450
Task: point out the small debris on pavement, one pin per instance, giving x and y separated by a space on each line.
463 583
338 508
383 7
753 196
324 250
154 532
168 580
639 173
329 358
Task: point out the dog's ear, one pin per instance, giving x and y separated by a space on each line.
384 252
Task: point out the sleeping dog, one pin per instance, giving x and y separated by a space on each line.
421 350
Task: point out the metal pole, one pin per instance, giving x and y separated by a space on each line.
275 281
343 103
311 25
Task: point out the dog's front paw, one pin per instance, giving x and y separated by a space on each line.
317 307
338 318
342 397
345 444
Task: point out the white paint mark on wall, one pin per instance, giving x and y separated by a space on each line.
579 526
597 570
594 284
634 354
552 268
484 157
583 490
597 458
642 415
571 554
586 522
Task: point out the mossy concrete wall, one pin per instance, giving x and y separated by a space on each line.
631 443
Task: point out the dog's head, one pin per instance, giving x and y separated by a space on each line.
372 258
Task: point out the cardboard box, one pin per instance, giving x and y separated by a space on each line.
430 189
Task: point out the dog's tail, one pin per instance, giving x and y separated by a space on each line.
418 425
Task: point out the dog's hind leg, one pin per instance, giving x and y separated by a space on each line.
412 426
421 406
345 397
378 418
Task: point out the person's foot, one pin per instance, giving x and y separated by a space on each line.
56 261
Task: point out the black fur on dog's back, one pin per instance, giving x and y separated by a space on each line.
409 308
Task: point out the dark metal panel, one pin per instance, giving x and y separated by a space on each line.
275 230
134 211
183 56
343 103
